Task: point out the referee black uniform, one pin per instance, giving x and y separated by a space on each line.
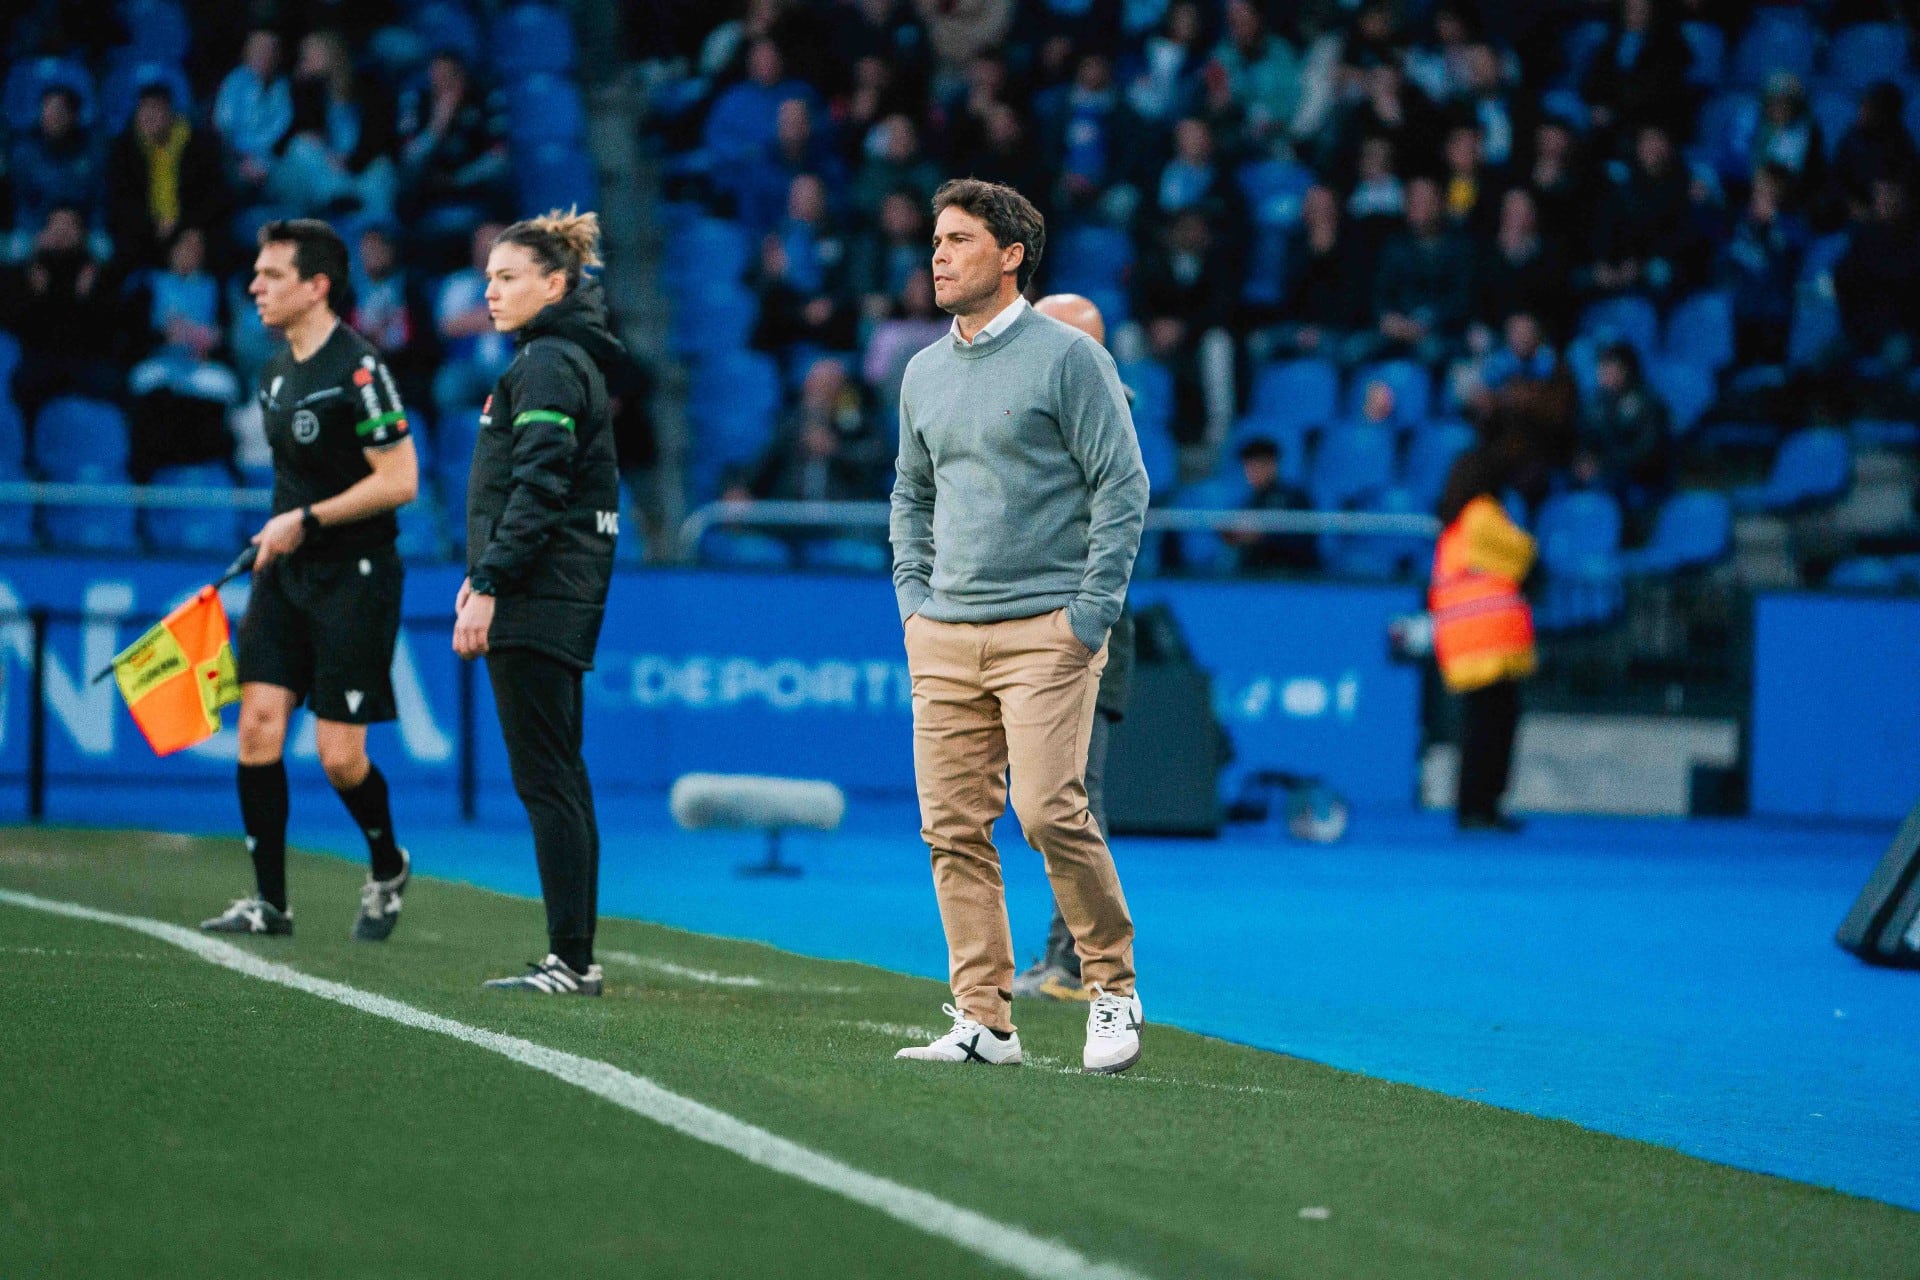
543 504
323 622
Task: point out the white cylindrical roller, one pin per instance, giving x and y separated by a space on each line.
742 801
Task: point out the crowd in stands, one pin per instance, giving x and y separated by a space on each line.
1636 231
146 143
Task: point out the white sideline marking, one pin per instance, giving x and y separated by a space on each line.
1018 1250
712 978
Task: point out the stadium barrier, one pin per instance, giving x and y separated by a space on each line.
699 671
781 514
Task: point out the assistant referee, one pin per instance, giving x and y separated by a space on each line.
543 510
324 616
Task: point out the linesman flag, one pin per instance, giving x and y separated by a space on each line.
176 677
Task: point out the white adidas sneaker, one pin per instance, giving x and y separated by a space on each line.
967 1042
1113 1032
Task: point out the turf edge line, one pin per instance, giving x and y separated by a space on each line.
1019 1250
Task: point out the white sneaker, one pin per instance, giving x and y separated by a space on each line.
1113 1032
967 1042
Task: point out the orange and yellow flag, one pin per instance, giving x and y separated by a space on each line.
178 675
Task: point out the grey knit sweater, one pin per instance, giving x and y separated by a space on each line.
1020 488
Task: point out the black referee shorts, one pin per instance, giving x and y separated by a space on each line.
325 628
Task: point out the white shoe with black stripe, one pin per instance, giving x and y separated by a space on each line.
969 1041
1113 1032
551 977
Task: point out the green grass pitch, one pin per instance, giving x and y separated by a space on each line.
162 1117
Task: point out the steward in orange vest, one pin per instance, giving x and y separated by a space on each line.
1482 626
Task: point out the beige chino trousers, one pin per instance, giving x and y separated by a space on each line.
994 697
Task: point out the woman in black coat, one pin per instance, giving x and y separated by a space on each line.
543 504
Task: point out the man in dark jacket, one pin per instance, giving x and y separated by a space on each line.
543 510
162 174
1423 291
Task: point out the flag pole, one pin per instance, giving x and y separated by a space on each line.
242 563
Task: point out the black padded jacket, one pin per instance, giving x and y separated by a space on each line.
543 498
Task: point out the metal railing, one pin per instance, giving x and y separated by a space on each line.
49 494
776 513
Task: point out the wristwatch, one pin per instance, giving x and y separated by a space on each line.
479 584
308 521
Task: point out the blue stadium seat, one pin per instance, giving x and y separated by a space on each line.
845 555
1700 331
73 436
531 38
1780 38
28 81
1858 56
1581 45
16 518
158 28
420 537
1274 190
1089 257
1579 538
709 251
1688 390
1353 465
1694 529
556 175
128 75
1884 433
1430 458
1815 328
1302 393
546 108
1290 399
448 28
728 549
733 403
13 435
1412 388
722 324
1725 132
1379 557
1152 387
1202 551
1628 319
1834 111
1813 468
92 528
735 381
1866 573
208 531
1708 44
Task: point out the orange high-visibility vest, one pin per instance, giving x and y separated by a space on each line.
178 675
1482 627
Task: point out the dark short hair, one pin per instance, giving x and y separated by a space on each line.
1010 217
318 250
1259 447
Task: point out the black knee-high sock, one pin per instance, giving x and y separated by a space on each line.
263 812
368 805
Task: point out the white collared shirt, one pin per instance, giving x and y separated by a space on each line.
994 327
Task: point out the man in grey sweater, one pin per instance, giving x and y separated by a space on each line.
1016 517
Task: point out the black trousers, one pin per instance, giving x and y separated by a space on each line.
1488 720
1059 938
540 705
